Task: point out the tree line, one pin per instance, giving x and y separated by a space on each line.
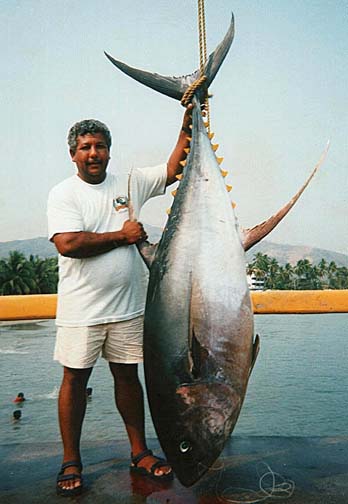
302 276
19 275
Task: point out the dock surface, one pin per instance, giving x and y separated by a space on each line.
293 470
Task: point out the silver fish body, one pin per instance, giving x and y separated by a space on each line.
198 333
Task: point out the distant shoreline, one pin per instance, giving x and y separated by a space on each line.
283 253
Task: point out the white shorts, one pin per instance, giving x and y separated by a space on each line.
120 342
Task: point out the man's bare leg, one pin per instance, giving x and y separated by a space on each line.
129 399
71 410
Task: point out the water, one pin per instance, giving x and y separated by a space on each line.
299 386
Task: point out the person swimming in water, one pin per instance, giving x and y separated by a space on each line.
20 398
16 415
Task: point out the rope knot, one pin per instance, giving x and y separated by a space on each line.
190 91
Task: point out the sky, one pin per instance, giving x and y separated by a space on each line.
279 96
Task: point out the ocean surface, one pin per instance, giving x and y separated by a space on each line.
299 386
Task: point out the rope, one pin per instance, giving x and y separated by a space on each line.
190 91
202 36
203 50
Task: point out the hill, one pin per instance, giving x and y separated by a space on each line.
281 252
33 246
293 253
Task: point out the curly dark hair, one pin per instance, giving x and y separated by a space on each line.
85 127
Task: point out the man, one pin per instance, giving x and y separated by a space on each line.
102 288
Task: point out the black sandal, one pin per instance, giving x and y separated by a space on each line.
69 492
150 473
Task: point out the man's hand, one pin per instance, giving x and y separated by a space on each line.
85 244
187 120
133 232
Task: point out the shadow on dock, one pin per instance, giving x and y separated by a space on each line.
295 470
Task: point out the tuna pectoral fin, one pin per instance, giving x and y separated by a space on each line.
256 349
175 87
147 251
257 233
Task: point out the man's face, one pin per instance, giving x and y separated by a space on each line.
91 157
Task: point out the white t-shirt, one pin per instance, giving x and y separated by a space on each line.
109 287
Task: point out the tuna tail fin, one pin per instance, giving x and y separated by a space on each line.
175 87
257 233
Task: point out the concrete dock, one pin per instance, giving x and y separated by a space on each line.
295 470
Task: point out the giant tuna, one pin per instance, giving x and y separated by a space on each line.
198 333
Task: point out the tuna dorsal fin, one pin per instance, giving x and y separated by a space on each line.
176 86
253 235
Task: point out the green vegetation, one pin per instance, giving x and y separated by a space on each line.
19 275
303 276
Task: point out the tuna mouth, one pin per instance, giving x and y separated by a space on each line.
190 461
190 475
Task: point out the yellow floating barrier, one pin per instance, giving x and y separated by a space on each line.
310 301
37 306
30 307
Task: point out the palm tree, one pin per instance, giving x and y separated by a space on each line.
331 273
16 275
261 265
338 277
322 269
288 276
284 278
274 275
45 274
308 275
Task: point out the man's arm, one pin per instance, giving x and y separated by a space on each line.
83 244
173 166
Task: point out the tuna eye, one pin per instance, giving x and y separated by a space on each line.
185 446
